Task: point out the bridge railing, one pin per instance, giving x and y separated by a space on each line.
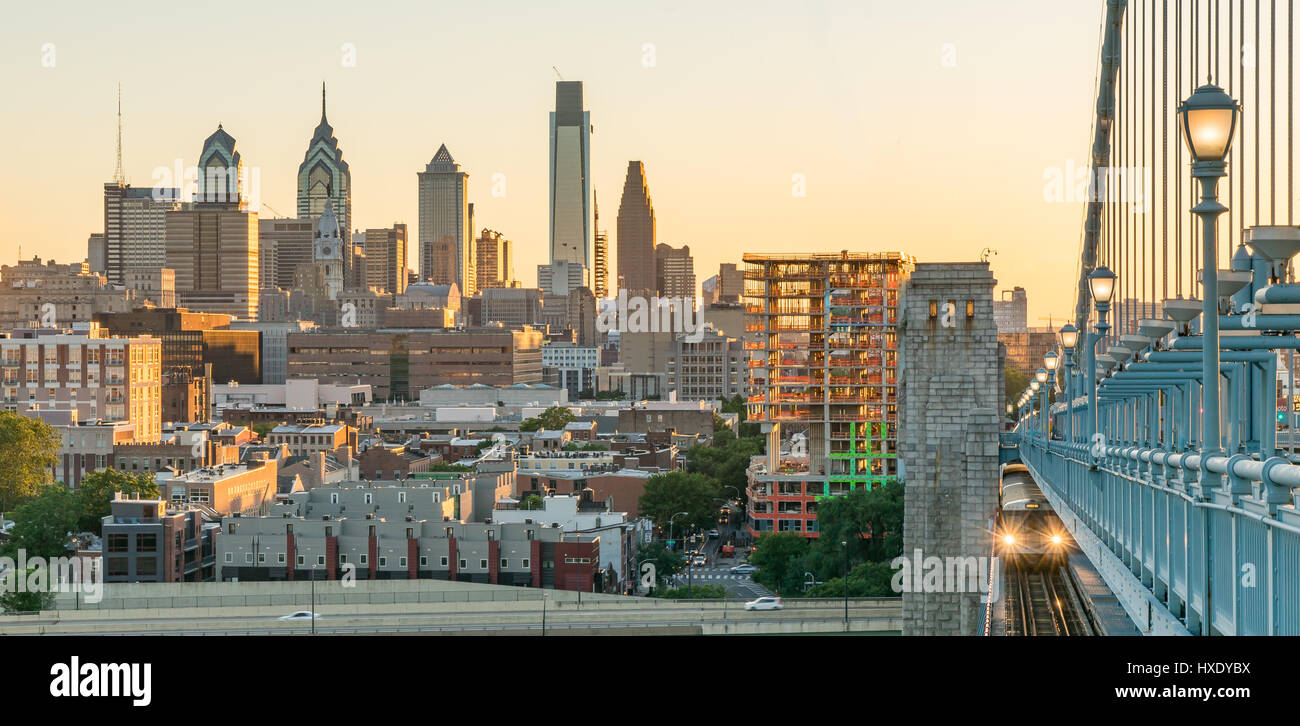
1210 537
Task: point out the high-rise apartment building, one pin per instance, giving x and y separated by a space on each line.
674 271
213 244
444 222
324 179
572 227
731 283
824 364
386 258
96 253
493 260
135 228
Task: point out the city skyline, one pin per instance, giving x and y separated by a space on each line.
725 158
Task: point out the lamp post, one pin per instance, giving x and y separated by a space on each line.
1040 377
1069 339
845 545
670 525
1101 286
1050 361
313 598
1034 385
1208 119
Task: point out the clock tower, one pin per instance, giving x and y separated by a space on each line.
327 251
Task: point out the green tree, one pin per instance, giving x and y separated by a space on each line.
692 592
95 494
531 502
29 449
725 461
13 601
780 560
868 579
552 418
870 520
679 491
42 524
667 562
1016 383
262 429
444 466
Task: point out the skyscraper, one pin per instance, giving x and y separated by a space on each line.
494 266
636 234
444 220
386 258
134 223
213 244
600 271
572 228
323 177
674 271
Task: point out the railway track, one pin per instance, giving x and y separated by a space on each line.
1045 602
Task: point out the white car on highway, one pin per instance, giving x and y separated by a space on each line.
764 603
744 570
302 615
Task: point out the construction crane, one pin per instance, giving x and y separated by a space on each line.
557 73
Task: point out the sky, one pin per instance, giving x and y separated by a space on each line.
927 127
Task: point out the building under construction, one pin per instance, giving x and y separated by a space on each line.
822 334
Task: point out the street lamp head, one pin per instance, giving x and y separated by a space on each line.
1034 385
1051 360
1069 337
1040 376
1208 119
1101 284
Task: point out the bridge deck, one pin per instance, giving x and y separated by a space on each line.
1107 612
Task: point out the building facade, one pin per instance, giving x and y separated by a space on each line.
570 204
446 254
637 267
824 370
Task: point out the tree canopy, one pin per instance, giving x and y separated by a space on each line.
95 494
678 491
555 417
667 562
42 524
29 449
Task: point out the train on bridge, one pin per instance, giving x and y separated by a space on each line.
1042 597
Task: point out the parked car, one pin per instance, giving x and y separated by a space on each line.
743 570
764 603
302 615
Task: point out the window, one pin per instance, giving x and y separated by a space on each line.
383 562
505 563
365 559
424 561
442 561
334 497
118 543
401 562
401 496
230 557
524 563
482 564
261 558
116 566
279 558
302 560
343 559
464 564
248 558
320 560
370 499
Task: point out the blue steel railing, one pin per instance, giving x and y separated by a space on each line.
1213 532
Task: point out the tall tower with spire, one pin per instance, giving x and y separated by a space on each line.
324 179
135 225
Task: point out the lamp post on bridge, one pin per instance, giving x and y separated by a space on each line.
1101 286
1034 385
1050 361
1069 339
1208 119
1040 377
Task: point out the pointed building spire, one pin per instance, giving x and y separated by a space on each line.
118 176
322 101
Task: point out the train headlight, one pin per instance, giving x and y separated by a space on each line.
1009 539
1056 539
